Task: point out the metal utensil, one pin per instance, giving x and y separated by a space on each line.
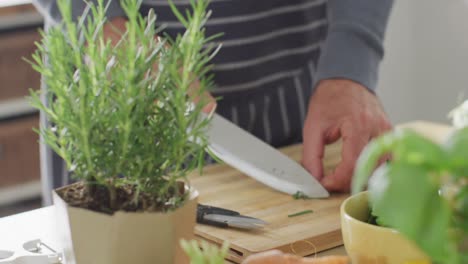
220 217
31 252
260 161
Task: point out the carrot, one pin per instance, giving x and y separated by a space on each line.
276 257
326 260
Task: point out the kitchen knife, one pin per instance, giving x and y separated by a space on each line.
259 160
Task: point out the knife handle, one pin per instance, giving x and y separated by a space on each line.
203 210
207 209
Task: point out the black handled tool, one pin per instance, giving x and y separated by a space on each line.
220 217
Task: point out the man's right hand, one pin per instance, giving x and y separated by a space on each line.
343 109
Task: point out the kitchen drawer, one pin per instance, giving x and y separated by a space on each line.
20 9
19 151
16 74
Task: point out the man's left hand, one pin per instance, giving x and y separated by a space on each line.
343 109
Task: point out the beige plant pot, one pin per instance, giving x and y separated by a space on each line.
90 237
369 244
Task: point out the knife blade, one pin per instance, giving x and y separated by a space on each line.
240 222
256 159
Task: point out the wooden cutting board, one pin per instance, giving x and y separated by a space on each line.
223 186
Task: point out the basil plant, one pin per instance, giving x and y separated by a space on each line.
422 192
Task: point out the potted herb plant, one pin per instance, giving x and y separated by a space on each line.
422 194
124 120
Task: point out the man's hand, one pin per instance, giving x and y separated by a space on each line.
340 109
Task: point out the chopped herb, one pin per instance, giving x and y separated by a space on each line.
300 195
301 213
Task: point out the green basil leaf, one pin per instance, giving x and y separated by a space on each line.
404 197
404 146
456 147
369 158
415 149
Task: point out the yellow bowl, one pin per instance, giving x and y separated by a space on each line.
369 244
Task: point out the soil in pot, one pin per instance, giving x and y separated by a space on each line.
120 237
97 198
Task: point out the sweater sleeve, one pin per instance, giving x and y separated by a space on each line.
49 9
353 48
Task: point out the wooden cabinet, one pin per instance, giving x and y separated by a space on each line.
16 75
19 151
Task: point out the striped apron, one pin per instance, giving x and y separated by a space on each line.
264 72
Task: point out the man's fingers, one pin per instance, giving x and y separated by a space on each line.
354 140
339 181
313 152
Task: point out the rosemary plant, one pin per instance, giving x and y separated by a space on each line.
124 114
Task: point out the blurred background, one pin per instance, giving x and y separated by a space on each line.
425 70
424 75
19 151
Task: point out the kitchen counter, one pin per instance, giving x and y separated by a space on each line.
39 224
